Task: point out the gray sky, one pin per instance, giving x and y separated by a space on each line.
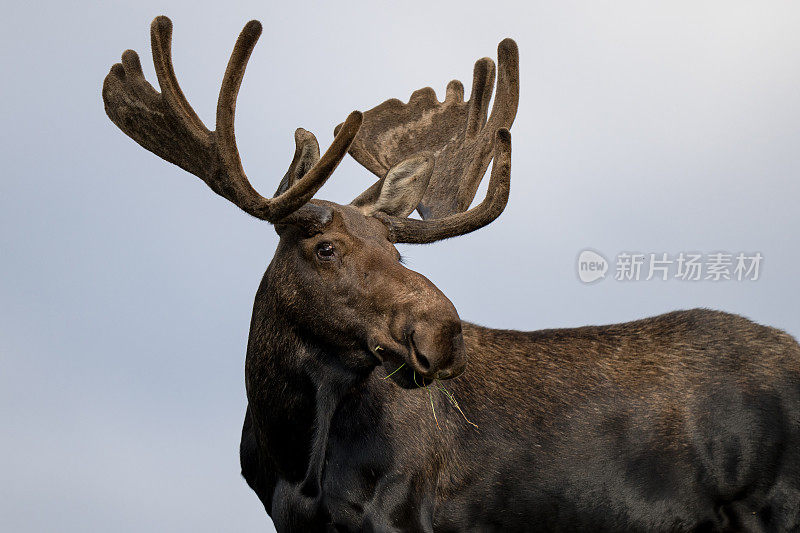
126 286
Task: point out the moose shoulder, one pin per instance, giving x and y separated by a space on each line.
373 407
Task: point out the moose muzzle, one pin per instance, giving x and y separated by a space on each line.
429 328
436 348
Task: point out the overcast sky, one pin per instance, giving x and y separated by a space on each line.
126 286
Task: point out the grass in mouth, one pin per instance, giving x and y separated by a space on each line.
447 394
454 402
394 371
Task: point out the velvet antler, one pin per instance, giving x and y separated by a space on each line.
165 124
462 141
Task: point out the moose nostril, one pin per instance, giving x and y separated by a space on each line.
423 362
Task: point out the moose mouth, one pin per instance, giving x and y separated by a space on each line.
404 376
406 366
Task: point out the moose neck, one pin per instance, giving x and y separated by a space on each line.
294 386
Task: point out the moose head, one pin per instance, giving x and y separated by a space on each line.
336 276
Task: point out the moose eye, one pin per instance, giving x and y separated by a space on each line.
326 251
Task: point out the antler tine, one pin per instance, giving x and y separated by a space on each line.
166 124
303 190
506 100
482 87
306 155
239 189
161 45
414 231
504 110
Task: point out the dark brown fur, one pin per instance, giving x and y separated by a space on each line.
688 421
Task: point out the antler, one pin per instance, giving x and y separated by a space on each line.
415 231
165 124
462 140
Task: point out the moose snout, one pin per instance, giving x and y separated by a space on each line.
424 328
436 350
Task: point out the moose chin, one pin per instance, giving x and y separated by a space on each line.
373 407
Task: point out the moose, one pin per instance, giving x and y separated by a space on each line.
373 407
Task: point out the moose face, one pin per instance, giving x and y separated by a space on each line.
336 273
343 283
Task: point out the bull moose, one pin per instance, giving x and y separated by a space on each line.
373 407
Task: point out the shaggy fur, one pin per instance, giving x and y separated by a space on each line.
688 421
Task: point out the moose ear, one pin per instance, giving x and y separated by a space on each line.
306 154
400 192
